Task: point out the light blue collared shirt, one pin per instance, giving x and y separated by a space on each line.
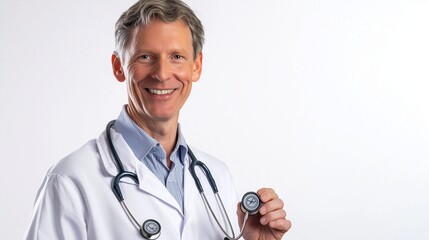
151 153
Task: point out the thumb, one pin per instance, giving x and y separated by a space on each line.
240 215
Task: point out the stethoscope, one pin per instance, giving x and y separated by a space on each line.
151 229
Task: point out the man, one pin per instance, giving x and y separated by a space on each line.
158 56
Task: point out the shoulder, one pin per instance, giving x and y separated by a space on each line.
78 162
74 176
209 160
217 168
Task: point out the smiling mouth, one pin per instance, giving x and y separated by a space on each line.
159 91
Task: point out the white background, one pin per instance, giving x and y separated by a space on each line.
325 101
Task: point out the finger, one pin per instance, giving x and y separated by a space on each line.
273 216
239 211
270 206
267 194
282 225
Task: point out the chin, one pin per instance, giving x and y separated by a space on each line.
162 113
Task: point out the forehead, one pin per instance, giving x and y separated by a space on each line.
160 34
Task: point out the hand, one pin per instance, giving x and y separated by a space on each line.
270 222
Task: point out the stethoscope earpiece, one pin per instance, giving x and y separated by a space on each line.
151 229
251 203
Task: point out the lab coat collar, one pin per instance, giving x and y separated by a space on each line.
148 182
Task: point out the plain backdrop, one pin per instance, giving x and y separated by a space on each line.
325 101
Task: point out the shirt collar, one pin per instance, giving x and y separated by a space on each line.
181 145
141 143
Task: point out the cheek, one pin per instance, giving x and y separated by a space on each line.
134 86
185 75
134 77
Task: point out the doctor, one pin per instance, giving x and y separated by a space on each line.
158 56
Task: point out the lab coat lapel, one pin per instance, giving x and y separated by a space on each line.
148 182
153 186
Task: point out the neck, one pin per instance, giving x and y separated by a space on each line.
165 132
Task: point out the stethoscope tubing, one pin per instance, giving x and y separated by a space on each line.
112 147
194 163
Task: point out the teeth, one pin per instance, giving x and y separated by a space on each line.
160 92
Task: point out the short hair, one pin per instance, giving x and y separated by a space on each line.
143 11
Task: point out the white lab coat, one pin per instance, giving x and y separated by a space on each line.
76 201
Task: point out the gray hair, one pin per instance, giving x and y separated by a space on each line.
141 13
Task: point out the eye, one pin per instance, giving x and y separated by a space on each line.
177 57
145 57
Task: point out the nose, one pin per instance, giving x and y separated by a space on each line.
162 70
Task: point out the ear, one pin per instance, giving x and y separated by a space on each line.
198 67
117 68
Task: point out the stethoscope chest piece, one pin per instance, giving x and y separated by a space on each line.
150 229
251 203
